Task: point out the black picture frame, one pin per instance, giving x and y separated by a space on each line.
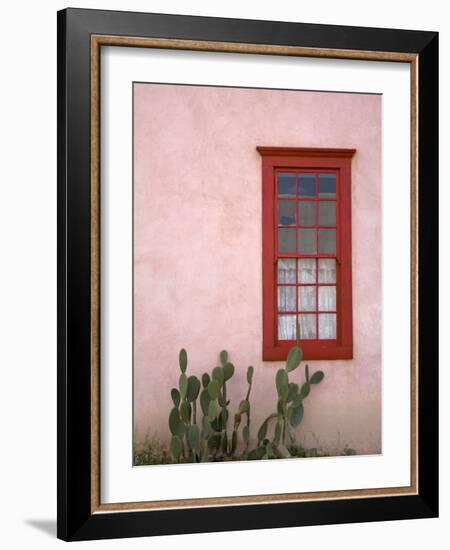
75 518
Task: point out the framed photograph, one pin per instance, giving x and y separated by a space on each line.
247 256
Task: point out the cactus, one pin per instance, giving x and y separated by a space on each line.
290 408
213 389
228 371
176 447
205 379
207 434
185 411
204 401
193 437
176 397
222 374
183 385
317 377
193 389
294 358
175 423
200 439
212 411
246 429
182 359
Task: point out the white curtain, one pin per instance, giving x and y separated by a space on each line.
286 298
327 270
304 271
327 326
307 298
327 298
287 327
307 326
286 271
307 270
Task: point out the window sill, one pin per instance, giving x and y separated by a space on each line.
312 351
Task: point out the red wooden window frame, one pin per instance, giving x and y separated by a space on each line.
313 160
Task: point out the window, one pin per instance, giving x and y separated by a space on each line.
307 252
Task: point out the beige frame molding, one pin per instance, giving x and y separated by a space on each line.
97 41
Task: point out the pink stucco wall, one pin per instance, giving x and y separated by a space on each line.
197 250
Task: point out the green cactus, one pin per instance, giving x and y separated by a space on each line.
205 379
176 447
206 427
204 451
213 389
317 377
176 397
183 385
294 358
246 428
217 374
208 438
250 375
224 442
246 436
204 401
304 392
193 388
282 384
277 433
290 407
234 440
223 357
212 410
244 406
214 443
183 360
257 453
228 371
292 391
175 423
193 441
295 415
193 437
185 411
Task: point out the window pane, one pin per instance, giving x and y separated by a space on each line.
286 241
327 326
327 270
327 241
286 185
306 185
307 241
286 212
287 327
327 298
327 213
327 185
286 271
286 298
307 298
306 212
307 326
306 270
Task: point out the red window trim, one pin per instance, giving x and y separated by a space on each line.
314 159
